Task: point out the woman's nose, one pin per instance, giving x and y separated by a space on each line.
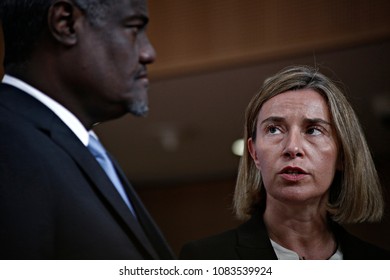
293 145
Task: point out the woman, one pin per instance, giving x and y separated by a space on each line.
305 170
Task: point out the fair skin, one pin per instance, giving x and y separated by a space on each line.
296 152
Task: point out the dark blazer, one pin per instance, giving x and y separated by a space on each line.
250 241
56 202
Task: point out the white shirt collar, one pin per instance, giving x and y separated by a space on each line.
285 254
64 114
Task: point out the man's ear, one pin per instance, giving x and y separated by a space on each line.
253 153
63 17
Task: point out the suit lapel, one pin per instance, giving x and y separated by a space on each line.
150 228
96 174
44 119
253 241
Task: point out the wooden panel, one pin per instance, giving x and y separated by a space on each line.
190 212
204 34
196 35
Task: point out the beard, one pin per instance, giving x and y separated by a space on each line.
138 108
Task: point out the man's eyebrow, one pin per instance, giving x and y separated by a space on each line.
145 19
142 18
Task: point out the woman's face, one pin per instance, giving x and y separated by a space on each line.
295 148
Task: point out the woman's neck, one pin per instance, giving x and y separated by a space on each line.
303 229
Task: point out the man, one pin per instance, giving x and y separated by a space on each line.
69 65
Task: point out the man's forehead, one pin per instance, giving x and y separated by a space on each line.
139 6
130 9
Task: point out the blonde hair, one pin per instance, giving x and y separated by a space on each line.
355 194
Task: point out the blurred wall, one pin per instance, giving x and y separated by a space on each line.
190 211
199 35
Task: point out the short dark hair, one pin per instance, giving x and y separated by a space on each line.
24 22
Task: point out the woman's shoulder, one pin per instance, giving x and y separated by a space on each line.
248 241
354 248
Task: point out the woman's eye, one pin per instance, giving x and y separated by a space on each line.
314 131
273 129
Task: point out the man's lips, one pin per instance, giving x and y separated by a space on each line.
142 75
290 173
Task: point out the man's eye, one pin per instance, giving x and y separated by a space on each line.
136 28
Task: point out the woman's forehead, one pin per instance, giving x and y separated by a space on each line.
298 103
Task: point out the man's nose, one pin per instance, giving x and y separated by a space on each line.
147 53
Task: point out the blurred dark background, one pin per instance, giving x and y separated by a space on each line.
212 56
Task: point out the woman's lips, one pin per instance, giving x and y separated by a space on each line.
292 174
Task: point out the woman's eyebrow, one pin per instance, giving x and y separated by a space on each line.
317 120
273 119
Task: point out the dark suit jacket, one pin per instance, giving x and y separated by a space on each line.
250 241
56 202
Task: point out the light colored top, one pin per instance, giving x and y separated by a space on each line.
286 254
64 114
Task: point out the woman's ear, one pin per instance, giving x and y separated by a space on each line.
252 150
63 17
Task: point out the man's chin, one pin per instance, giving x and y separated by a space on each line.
138 110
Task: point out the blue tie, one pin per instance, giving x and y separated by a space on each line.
100 154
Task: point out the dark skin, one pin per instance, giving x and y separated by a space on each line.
96 70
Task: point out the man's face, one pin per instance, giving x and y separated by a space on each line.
114 53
